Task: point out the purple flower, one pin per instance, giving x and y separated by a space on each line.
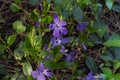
59 42
84 46
49 57
71 56
91 77
41 73
82 26
37 24
58 27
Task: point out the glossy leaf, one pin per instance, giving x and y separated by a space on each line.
77 13
109 4
27 68
19 52
19 27
91 64
34 16
11 39
114 43
14 7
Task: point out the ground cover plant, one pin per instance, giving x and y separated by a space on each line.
59 40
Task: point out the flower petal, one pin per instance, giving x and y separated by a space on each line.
64 40
53 42
56 33
47 73
41 77
35 74
82 26
56 19
40 67
51 26
62 23
62 50
63 30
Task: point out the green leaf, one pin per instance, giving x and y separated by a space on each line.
116 7
86 1
107 71
91 64
17 1
44 53
109 4
77 13
51 64
2 47
27 68
35 2
64 64
11 39
18 76
114 43
117 76
19 52
19 27
116 65
34 15
47 19
14 7
101 27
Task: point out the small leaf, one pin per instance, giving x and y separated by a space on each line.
86 1
116 65
114 43
47 19
14 7
2 47
19 27
11 39
34 15
18 76
107 71
77 13
91 64
44 53
51 64
19 52
64 64
109 4
27 68
116 8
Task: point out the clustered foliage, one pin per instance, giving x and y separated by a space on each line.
61 40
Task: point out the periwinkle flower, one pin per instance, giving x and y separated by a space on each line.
82 26
59 42
71 56
58 27
37 24
84 46
49 57
41 73
91 77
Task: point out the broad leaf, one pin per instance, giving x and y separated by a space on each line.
114 43
27 68
11 39
109 4
77 13
91 64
